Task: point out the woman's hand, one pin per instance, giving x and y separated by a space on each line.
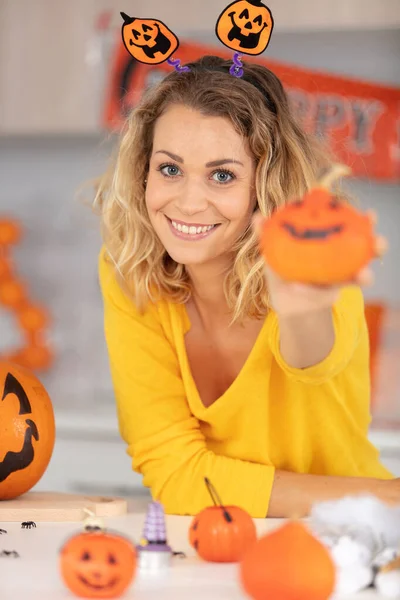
292 298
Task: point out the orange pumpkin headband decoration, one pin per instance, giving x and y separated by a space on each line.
150 41
244 26
319 239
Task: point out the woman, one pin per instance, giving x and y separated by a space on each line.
219 368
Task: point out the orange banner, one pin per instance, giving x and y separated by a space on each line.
360 120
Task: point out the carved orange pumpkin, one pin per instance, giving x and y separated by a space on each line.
288 564
149 41
222 533
318 239
27 430
98 564
246 26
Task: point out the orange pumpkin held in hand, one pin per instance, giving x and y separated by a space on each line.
245 26
222 533
27 430
98 564
318 239
288 564
149 41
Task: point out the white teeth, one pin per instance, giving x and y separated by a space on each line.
192 230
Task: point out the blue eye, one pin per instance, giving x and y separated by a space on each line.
169 170
223 176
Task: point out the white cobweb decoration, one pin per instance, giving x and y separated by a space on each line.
363 536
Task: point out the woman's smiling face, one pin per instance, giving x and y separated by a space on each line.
200 192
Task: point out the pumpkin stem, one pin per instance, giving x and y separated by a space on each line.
217 500
395 564
335 172
92 523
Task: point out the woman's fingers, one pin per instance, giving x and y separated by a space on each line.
381 245
364 278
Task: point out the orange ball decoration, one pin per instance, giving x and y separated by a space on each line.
222 533
35 356
98 564
12 293
288 564
10 232
5 268
318 239
27 430
32 318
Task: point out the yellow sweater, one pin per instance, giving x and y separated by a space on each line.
313 420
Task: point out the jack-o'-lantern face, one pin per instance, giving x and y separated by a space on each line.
27 430
245 26
98 564
149 41
318 239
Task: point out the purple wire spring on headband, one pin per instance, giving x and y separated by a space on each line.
237 68
176 63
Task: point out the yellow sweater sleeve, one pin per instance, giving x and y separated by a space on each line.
349 322
164 439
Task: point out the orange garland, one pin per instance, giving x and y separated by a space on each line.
32 319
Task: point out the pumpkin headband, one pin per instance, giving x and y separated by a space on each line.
244 26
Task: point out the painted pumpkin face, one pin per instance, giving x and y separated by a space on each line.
27 430
245 26
98 564
318 239
149 41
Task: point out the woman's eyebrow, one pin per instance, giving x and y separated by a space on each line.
223 161
213 163
171 155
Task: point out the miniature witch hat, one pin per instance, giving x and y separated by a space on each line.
154 530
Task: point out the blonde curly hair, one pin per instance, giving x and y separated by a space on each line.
288 161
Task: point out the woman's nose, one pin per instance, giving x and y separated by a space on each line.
192 198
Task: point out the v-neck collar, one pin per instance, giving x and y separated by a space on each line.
194 399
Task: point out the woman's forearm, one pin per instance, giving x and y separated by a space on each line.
293 494
306 339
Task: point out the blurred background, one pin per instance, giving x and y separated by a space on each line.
64 85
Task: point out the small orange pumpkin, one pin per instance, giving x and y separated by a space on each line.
288 564
27 430
97 564
149 41
221 533
318 239
245 26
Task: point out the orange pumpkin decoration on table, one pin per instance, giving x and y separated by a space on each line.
245 26
98 564
318 239
27 430
222 533
288 564
149 41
